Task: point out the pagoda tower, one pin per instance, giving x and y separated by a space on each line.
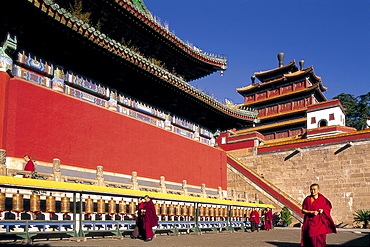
281 96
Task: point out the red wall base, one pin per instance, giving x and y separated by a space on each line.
47 124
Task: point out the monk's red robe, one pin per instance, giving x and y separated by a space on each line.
29 166
150 219
268 220
255 220
315 227
255 217
138 230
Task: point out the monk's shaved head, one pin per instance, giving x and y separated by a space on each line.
312 185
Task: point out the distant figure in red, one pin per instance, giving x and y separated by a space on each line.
317 220
255 220
30 166
268 219
139 219
149 220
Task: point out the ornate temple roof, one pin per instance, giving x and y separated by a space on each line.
293 75
148 37
268 75
51 32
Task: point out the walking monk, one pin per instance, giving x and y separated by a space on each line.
317 220
268 219
150 219
255 220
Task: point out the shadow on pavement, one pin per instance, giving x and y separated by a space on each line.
284 244
358 242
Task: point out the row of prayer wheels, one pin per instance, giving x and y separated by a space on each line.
35 203
123 207
204 211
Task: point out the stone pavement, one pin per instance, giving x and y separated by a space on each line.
286 236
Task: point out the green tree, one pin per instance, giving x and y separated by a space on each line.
286 216
357 109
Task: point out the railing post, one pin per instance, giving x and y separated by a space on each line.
184 188
56 170
134 183
219 193
203 190
3 171
162 184
99 176
233 194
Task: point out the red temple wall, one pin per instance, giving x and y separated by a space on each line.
47 124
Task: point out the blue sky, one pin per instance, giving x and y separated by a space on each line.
332 36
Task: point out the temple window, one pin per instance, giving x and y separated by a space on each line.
313 120
322 123
223 140
331 116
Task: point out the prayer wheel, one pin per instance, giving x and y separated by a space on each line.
171 210
240 212
100 206
217 212
201 211
157 208
17 202
225 212
184 210
132 207
191 210
65 204
35 203
122 207
233 212
163 209
50 203
206 211
248 213
89 205
245 212
212 211
178 209
2 201
112 206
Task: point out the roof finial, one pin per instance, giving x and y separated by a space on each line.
301 65
253 78
281 59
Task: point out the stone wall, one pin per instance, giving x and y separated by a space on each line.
344 177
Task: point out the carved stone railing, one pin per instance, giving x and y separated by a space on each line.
99 180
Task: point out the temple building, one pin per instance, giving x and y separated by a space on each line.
108 86
99 94
281 96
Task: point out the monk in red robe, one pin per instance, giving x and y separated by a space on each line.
30 166
138 230
255 220
149 220
268 219
317 220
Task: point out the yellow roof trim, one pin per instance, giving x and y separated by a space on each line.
27 183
